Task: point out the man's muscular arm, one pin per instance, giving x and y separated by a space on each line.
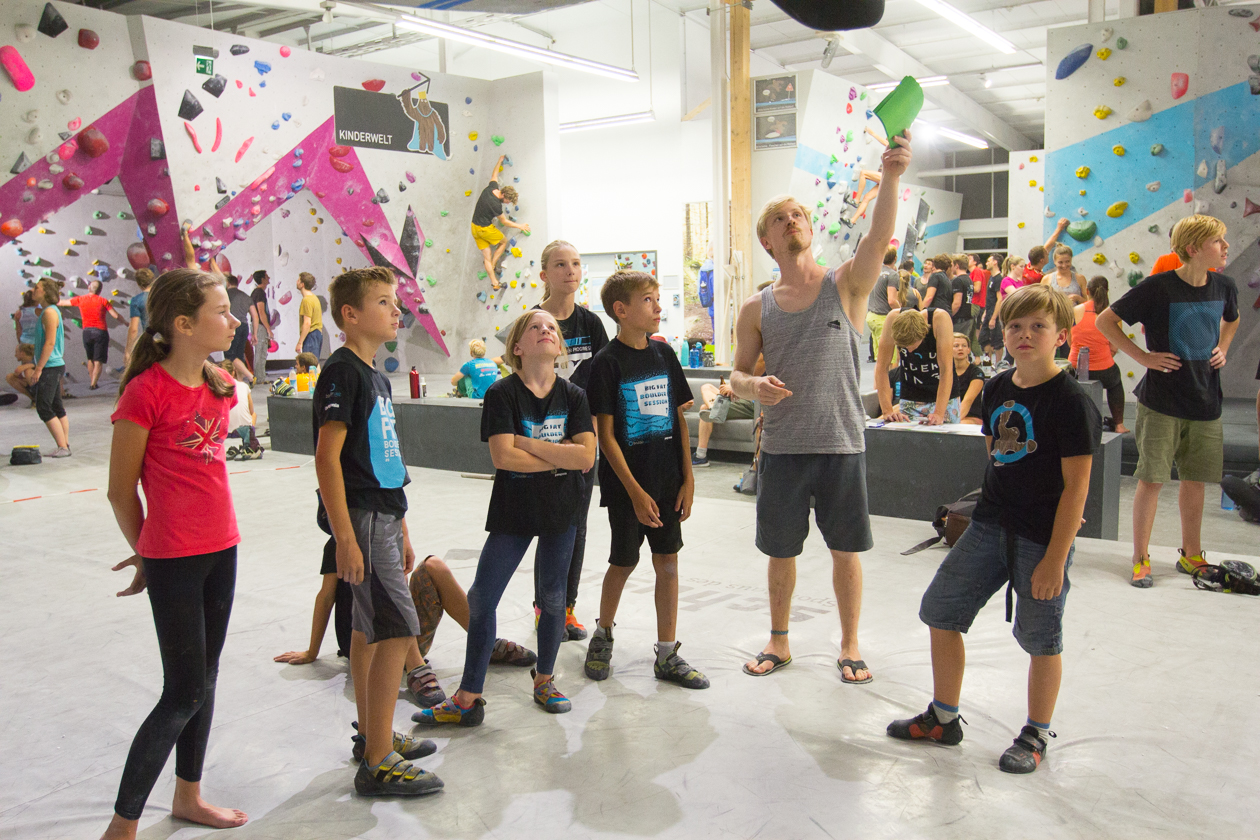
856 279
767 390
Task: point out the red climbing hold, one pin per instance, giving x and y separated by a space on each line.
239 84
374 85
158 207
93 142
285 52
19 73
1250 208
88 39
192 135
339 151
11 228
141 71
74 124
341 165
138 255
72 181
263 177
368 222
67 149
251 92
240 153
1180 84
218 134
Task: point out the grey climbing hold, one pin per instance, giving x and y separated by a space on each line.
215 85
1202 169
238 49
31 116
402 187
1153 186
189 108
157 149
381 197
208 52
219 186
64 135
1141 112
1219 183
51 23
222 202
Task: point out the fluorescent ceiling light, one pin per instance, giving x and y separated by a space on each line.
958 136
606 122
970 24
516 48
926 81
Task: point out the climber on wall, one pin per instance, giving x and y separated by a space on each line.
485 234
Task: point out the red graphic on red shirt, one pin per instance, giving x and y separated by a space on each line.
205 436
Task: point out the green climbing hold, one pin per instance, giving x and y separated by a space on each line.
820 204
829 175
1153 229
525 232
821 261
834 159
431 280
1157 149
1082 231
444 214
391 346
833 228
848 137
497 139
1121 43
481 275
862 96
1135 277
518 274
428 243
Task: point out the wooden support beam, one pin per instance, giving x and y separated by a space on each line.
741 149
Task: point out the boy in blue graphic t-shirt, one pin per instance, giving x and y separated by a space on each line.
1042 431
637 391
477 374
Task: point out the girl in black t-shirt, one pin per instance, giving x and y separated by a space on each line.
584 336
541 440
968 381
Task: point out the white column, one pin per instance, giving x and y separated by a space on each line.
720 219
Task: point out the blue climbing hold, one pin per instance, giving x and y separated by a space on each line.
474 147
275 126
391 364
263 83
467 100
286 116
298 152
1073 61
262 67
831 185
472 172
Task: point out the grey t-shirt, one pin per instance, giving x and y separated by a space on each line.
239 303
877 303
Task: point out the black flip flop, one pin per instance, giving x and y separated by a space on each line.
856 665
767 657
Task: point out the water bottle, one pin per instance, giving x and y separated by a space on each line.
1082 365
695 355
414 378
1226 502
424 388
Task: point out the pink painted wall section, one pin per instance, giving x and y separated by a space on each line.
144 179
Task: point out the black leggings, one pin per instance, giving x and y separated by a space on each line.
1114 386
191 599
579 543
48 393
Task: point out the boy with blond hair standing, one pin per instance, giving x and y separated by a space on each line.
1189 316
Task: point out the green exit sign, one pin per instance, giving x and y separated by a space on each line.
205 66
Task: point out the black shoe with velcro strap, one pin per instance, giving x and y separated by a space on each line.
1024 756
395 776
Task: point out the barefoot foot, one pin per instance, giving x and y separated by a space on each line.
203 813
121 829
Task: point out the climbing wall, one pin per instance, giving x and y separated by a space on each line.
1026 201
1152 119
237 138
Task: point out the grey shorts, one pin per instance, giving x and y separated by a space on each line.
837 486
383 608
975 568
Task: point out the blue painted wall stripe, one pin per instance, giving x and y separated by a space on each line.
940 229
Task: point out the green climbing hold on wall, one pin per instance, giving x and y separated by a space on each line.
1082 231
833 228
1153 229
829 175
1135 277
835 159
444 213
431 280
1121 43
821 261
481 275
428 243
391 346
497 139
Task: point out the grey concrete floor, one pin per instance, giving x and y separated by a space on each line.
1150 741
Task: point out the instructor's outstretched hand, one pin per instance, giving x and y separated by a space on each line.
896 158
771 390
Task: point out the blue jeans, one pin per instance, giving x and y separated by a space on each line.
500 556
313 343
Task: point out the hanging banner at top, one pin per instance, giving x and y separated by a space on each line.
404 122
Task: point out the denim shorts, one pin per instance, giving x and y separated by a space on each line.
975 568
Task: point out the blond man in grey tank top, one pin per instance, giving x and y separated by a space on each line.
808 327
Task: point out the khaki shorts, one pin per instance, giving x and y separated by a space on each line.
1196 446
486 237
875 323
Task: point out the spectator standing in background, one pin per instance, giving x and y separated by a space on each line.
93 308
989 336
25 317
883 298
1102 363
960 293
260 321
934 287
310 319
240 304
138 310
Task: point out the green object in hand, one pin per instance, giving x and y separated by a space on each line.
898 109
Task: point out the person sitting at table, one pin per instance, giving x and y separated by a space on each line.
923 386
740 409
477 374
968 381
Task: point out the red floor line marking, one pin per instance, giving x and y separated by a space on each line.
27 499
89 490
298 467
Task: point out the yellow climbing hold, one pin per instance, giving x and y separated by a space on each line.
1116 210
1099 259
338 260
1032 183
1082 192
1104 54
533 285
1134 258
1082 172
1119 81
448 250
1130 374
1032 159
1020 225
314 229
1102 112
337 240
1119 150
524 306
312 211
513 284
472 135
516 252
1041 189
467 193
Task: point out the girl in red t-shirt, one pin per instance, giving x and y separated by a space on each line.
169 430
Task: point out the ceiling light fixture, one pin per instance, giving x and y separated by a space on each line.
970 24
516 48
986 81
926 81
608 122
958 136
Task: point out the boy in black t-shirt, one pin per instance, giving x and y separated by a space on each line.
637 390
486 236
1042 431
361 477
1190 316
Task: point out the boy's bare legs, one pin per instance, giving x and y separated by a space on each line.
782 579
708 396
1044 675
1190 499
453 597
361 654
382 695
487 259
1145 505
666 566
949 659
242 371
18 383
610 593
846 579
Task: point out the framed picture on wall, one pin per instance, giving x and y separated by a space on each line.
777 93
776 131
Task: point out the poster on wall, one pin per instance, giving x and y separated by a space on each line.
406 121
776 131
777 93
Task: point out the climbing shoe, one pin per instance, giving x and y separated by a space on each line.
395 776
424 688
448 711
406 746
1187 565
1024 756
1142 574
925 727
576 632
676 670
599 656
549 697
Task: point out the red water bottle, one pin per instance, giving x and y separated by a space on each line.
415 383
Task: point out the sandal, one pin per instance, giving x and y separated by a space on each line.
856 665
510 653
767 657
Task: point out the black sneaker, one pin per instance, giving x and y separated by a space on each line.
926 727
697 461
395 776
676 670
406 746
599 656
1024 756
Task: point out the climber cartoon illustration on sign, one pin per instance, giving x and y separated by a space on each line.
430 135
404 122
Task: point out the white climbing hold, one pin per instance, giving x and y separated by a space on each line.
1049 213
1082 211
1153 186
1098 241
1142 112
1217 139
1202 170
1107 33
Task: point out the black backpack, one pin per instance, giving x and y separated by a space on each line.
24 455
950 522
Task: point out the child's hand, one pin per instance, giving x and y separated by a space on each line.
1217 359
934 419
296 657
349 562
896 415
1047 580
138 582
409 556
646 510
686 494
1165 362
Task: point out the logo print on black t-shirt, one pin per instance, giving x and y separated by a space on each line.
1007 447
1194 328
647 403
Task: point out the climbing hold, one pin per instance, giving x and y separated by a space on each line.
215 85
1116 210
374 85
24 32
1153 186
1202 169
381 197
1081 211
262 67
1033 159
1082 172
1134 258
1032 183
31 116
285 52
74 124
444 213
45 184
1082 192
1082 231
88 39
1119 81
341 165
1073 61
1106 34
138 255
472 135
411 179
20 74
1180 84
192 135
467 193
1153 229
1049 213
11 228
1219 182
275 126
157 207
1020 225
1102 112
189 107
1250 208
1217 139
1157 149
51 23
497 139
516 252
286 116
92 142
141 71
1242 13
72 181
1098 241
1099 259
1118 150
238 49
251 92
1104 54
1141 112
240 153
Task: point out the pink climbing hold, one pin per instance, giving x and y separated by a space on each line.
285 298
141 71
93 142
67 149
240 153
138 255
239 84
218 134
263 177
368 222
285 52
848 107
341 165
192 135
12 61
72 181
1250 208
1180 84
11 228
374 85
74 124
1187 196
339 151
158 207
251 92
